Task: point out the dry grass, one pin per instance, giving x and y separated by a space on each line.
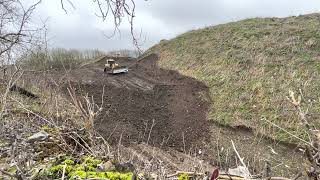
249 67
57 59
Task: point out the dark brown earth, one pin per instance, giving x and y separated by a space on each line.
149 104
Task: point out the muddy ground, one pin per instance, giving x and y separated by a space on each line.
168 110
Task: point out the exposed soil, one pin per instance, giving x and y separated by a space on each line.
150 104
285 159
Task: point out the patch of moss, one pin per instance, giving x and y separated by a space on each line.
91 160
183 177
12 170
58 169
82 169
100 175
78 174
79 167
68 162
91 163
117 175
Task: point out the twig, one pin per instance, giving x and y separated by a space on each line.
118 149
308 143
64 171
105 143
184 143
84 142
114 129
150 131
241 160
85 148
297 176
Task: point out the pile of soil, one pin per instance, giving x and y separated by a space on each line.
150 104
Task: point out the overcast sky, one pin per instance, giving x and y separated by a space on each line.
157 19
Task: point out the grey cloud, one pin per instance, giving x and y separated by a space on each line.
210 12
159 19
182 13
91 38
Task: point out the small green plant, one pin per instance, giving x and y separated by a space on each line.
183 177
86 167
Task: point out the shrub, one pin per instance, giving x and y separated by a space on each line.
57 59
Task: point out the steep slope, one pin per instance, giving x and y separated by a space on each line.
249 67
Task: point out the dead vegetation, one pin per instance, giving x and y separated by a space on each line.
56 59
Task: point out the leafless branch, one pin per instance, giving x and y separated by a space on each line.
16 32
62 5
117 10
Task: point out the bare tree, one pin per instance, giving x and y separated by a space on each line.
117 10
16 31
17 35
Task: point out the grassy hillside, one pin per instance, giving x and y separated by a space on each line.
250 66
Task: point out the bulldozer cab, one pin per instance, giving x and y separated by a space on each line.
111 63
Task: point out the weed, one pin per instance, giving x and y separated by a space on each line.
183 177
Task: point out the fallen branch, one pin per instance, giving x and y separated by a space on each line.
241 160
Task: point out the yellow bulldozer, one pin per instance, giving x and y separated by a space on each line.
111 67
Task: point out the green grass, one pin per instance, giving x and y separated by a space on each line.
250 66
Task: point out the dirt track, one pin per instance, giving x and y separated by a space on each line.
147 100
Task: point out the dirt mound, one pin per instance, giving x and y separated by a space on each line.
148 104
